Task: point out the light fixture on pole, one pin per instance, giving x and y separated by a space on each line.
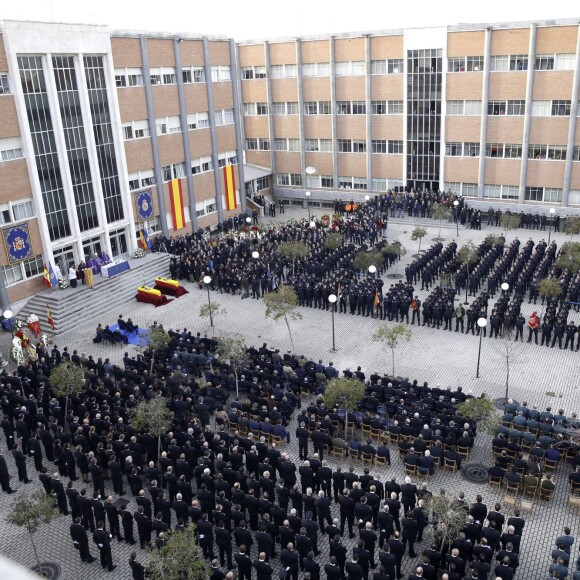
552 212
312 224
308 194
207 282
455 208
255 255
482 323
505 286
8 314
367 197
332 299
372 269
248 220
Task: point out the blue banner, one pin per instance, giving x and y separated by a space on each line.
144 202
18 243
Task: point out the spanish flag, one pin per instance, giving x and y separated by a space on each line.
176 197
230 187
49 317
142 241
376 301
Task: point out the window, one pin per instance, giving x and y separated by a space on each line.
262 108
456 64
343 108
516 107
320 145
534 194
249 109
541 108
378 146
23 270
455 107
395 147
512 151
359 182
161 128
553 194
574 197
519 62
395 66
544 62
221 73
326 181
359 108
510 191
565 61
395 108
499 63
453 187
561 108
193 74
168 125
576 154
474 63
252 144
22 210
173 171
283 71
453 149
11 148
378 67
197 120
496 107
359 146
317 108
202 165
471 149
224 117
537 152
4 84
163 75
344 146
344 182
253 72
557 152
492 191
294 179
350 68
472 108
494 150
128 77
127 132
135 80
316 69
379 107
378 184
469 190
287 144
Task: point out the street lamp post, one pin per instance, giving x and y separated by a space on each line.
482 323
308 194
207 282
505 286
8 314
372 269
455 208
552 212
255 254
332 299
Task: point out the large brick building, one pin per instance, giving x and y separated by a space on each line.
90 119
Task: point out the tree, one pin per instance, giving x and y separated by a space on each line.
29 511
468 255
180 558
438 212
153 415
392 336
572 226
67 380
333 241
493 240
509 352
396 249
448 517
510 221
569 257
483 411
418 234
363 260
293 250
283 304
346 393
211 310
156 342
549 289
233 350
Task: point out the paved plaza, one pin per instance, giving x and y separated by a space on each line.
432 355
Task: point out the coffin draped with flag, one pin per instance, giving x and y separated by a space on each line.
151 296
169 287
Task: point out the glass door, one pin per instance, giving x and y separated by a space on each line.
118 242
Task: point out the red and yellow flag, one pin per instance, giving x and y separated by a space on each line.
230 187
176 197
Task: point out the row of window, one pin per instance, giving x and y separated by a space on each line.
513 62
15 211
23 270
133 77
11 148
139 129
511 192
325 145
322 69
510 151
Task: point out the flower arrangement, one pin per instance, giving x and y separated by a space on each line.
31 319
63 283
138 253
325 220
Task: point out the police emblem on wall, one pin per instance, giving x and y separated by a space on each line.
17 242
144 203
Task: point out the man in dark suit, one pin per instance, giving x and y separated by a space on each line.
289 561
137 569
244 563
223 540
141 500
113 517
103 542
205 537
86 510
143 527
311 567
20 460
127 523
4 475
81 541
263 570
353 569
58 490
333 572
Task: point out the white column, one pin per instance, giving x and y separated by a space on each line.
484 100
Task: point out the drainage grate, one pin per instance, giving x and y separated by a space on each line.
474 472
50 570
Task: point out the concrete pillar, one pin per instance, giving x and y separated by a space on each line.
153 135
572 125
300 112
484 100
333 110
270 117
369 162
528 115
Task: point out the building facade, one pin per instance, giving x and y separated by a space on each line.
103 133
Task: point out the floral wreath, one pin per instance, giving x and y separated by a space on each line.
325 220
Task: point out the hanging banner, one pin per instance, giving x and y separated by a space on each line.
18 243
144 204
176 197
230 187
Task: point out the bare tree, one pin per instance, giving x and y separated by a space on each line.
509 352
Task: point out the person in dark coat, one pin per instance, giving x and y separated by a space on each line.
20 460
81 541
103 542
311 567
137 569
58 490
289 561
244 563
4 475
263 570
223 540
113 517
72 494
143 527
127 523
86 509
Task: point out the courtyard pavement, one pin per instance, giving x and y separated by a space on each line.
432 355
